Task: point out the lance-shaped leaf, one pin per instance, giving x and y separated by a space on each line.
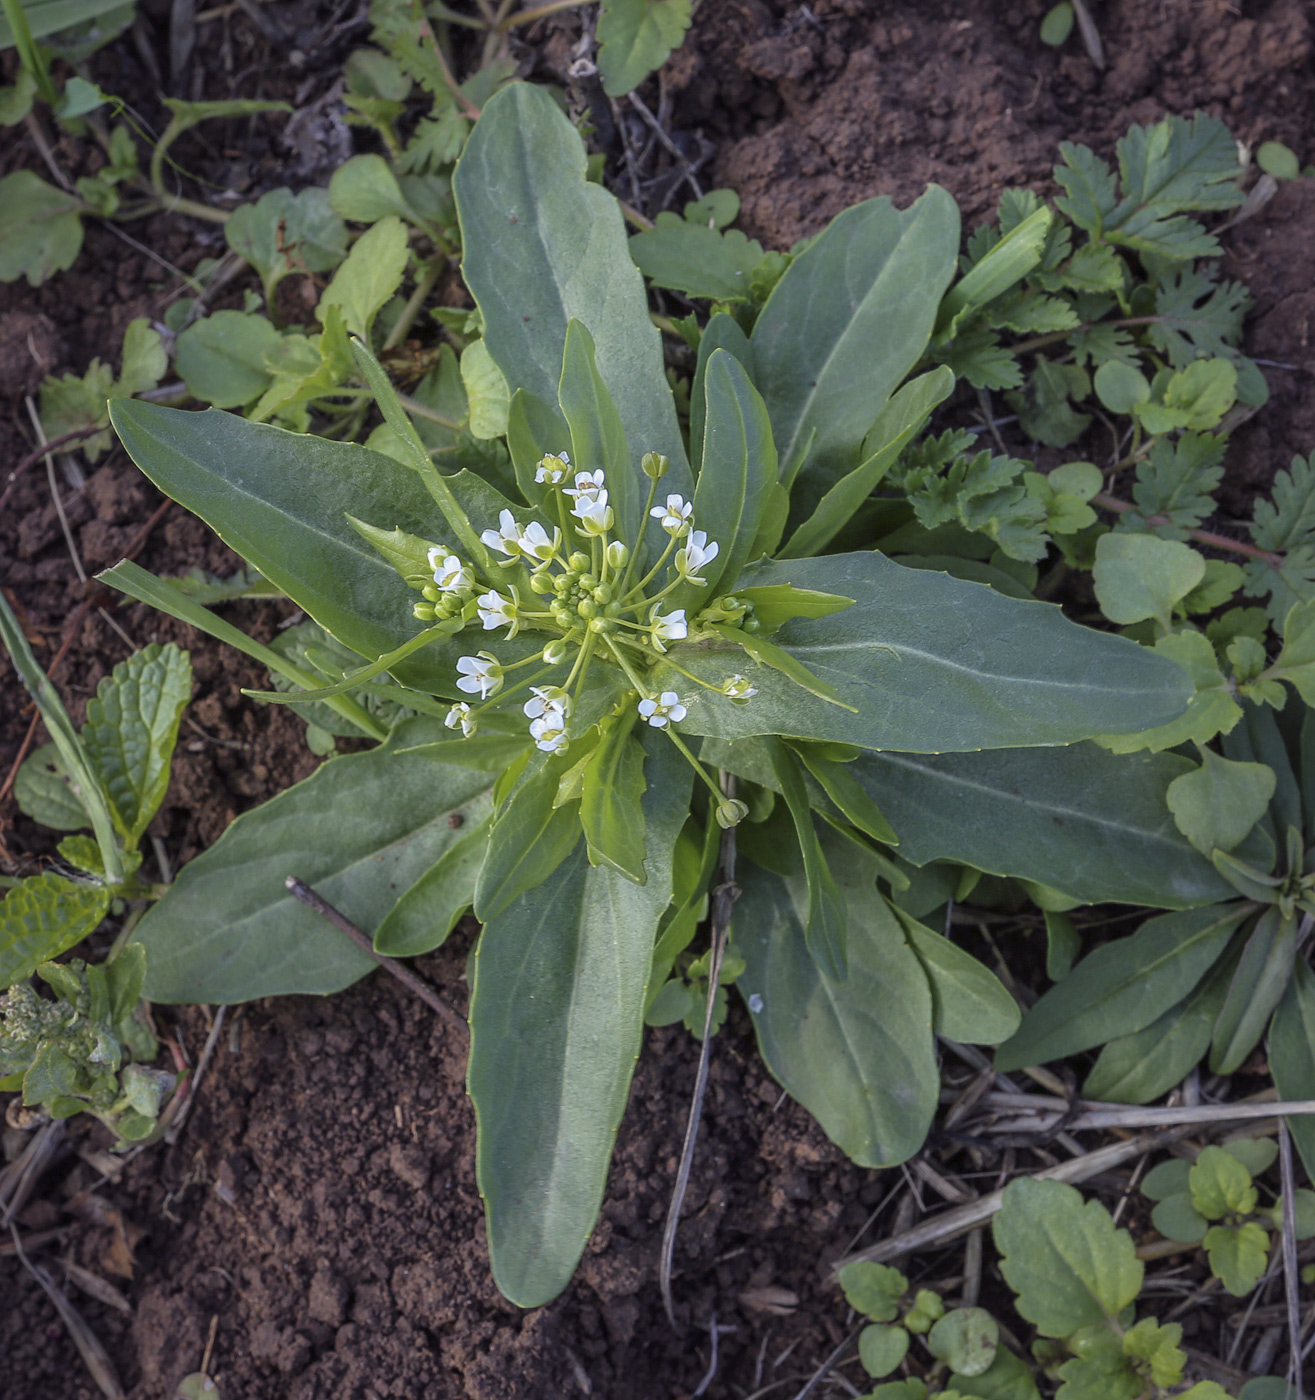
859 1054
932 664
969 1002
738 469
1123 986
1076 818
845 324
721 333
42 917
556 1015
131 730
824 927
282 501
361 830
598 437
1263 973
611 811
543 246
424 916
1292 1055
895 427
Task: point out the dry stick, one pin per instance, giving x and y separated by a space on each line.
32 458
404 975
723 901
955 1222
1290 1280
1103 1116
176 1127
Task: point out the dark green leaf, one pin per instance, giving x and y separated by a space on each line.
1292 1055
721 333
969 1002
598 439
1123 986
423 917
359 830
1257 987
43 916
635 37
690 257
611 807
44 791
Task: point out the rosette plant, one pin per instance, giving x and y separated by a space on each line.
589 638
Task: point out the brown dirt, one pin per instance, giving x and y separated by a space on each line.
321 1201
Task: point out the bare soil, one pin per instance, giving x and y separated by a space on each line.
320 1202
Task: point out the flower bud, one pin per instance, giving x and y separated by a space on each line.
578 562
587 608
430 592
424 612
654 465
555 652
618 556
602 594
600 626
731 812
542 582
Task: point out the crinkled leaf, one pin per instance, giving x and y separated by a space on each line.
1239 1255
872 1289
42 917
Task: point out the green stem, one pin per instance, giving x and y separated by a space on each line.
717 794
433 270
552 7
625 666
643 525
424 411
655 570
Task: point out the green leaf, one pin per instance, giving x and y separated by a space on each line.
1007 1378
844 789
530 837
368 277
358 830
932 664
542 246
1176 1218
1296 661
969 1002
1220 1185
1219 803
1196 316
691 257
1291 1050
1141 576
1005 265
365 190
636 37
1239 1255
1088 183
1121 387
882 1348
45 17
40 228
221 358
845 325
82 777
598 437
1257 987
1077 818
282 232
1278 160
44 791
859 1055
1195 398
1177 481
966 1339
486 392
1057 24
556 1016
42 917
738 468
1123 986
1068 1263
131 730
874 1290
282 500
611 806
778 603
897 424
423 917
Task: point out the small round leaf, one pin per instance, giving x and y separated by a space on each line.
967 1338
882 1348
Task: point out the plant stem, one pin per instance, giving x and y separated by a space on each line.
419 410
1039 342
1209 537
433 270
551 7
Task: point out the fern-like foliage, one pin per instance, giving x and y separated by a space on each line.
1197 317
1285 526
1175 485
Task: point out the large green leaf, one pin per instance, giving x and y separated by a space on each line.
1076 818
556 1016
598 437
738 468
282 501
1292 1055
1123 986
850 318
41 918
932 664
361 830
131 730
859 1054
543 246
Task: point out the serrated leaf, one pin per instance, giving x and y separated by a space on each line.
1286 526
1068 1263
1219 803
976 355
1176 481
1239 1255
283 231
635 38
1220 1185
40 228
695 259
1089 194
42 917
1043 406
872 1289
1123 986
1195 316
132 727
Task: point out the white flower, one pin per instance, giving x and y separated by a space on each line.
737 688
460 715
506 538
452 576
548 702
535 541
549 733
695 555
669 628
666 709
437 553
675 516
587 487
594 513
552 469
479 675
497 611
